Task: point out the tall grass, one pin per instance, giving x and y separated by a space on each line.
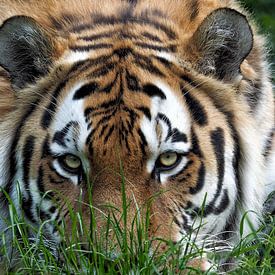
116 249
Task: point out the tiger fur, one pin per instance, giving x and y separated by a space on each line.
128 81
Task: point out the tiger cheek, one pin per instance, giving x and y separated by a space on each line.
188 181
58 188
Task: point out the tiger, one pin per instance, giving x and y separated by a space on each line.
177 93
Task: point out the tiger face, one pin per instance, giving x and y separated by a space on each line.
128 99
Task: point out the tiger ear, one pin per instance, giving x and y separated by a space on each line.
222 42
25 50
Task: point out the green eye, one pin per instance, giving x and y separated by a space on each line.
71 163
168 160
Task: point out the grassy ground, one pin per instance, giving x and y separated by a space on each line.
128 251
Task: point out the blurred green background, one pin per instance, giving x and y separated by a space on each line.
264 13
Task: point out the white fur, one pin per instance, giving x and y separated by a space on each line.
252 177
270 174
177 113
5 144
71 57
167 56
71 110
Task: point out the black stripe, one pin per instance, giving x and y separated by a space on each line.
177 136
152 91
84 65
255 93
146 62
105 119
200 180
98 36
27 154
82 27
104 128
122 52
218 143
52 209
109 104
91 47
268 144
104 70
231 224
190 81
194 9
46 148
12 153
145 111
195 144
165 119
127 144
148 65
90 136
85 90
27 207
109 134
237 148
133 115
166 63
92 112
40 181
177 222
87 112
132 82
167 30
50 109
179 173
99 19
59 136
185 225
223 204
43 215
57 173
143 142
236 162
196 109
151 36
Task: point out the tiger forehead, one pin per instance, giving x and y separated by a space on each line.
152 32
123 34
128 23
123 106
114 112
118 70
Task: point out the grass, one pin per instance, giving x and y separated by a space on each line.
125 251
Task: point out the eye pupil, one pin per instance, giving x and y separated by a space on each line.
168 159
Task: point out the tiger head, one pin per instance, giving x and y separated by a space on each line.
126 97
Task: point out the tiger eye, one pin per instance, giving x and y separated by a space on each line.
72 162
168 159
